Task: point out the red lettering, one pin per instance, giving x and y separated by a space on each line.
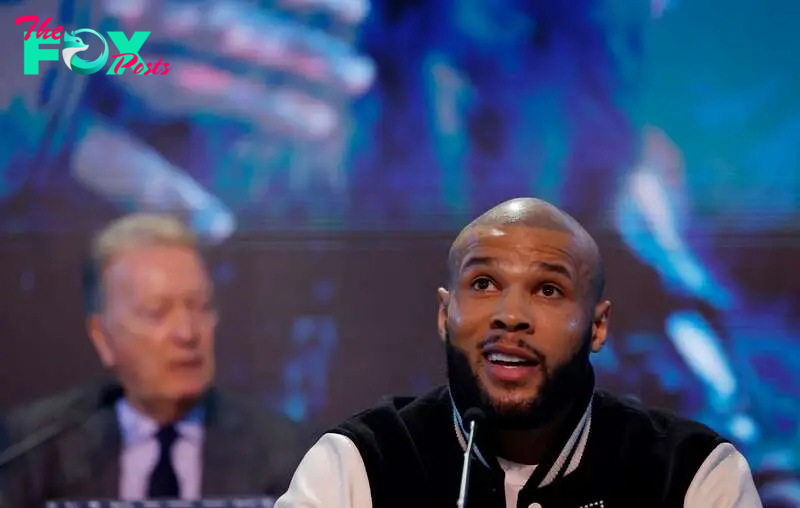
25 19
121 61
42 32
138 67
153 68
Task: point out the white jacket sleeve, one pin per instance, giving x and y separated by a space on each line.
724 480
331 475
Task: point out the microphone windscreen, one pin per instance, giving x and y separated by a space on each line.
473 414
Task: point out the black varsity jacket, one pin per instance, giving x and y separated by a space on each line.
613 454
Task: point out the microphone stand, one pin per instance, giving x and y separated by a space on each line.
462 491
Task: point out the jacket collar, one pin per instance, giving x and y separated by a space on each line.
569 456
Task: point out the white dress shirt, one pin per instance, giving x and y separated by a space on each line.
140 451
332 475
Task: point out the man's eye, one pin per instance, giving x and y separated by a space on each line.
482 284
155 312
550 291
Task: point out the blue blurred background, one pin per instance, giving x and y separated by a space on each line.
328 151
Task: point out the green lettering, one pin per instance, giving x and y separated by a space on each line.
33 53
124 45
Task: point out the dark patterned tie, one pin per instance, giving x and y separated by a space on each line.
163 480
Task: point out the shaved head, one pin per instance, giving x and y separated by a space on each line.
536 214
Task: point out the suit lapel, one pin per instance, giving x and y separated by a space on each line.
227 467
90 458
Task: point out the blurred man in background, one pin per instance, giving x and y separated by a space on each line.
160 430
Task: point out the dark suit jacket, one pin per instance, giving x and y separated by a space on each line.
5 436
246 451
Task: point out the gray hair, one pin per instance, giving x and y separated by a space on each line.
130 232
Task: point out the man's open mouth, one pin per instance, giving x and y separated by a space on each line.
510 360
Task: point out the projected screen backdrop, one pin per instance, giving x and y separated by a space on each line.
328 151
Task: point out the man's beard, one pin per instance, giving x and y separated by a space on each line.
560 388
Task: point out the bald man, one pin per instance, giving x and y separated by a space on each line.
519 318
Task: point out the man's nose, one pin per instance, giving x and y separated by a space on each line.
512 313
185 327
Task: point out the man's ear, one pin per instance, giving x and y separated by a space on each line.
602 311
441 318
100 340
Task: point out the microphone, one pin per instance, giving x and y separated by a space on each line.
472 417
